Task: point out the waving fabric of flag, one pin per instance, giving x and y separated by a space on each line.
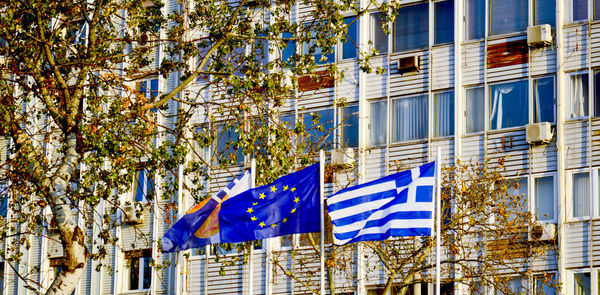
200 225
401 204
289 205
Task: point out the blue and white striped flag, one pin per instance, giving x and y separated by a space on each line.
401 204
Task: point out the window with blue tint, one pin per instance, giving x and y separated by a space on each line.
228 150
544 12
444 22
508 16
139 263
350 39
543 100
349 130
410 116
444 113
597 93
321 55
411 28
319 128
596 5
508 105
143 186
378 36
475 19
290 48
3 204
377 123
579 10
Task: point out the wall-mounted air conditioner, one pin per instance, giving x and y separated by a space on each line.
538 133
409 64
342 157
539 35
542 232
129 214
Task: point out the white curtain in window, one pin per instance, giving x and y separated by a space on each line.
475 110
497 106
410 118
581 194
541 83
544 198
378 122
579 96
444 113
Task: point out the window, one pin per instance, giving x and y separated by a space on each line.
349 129
474 110
579 10
543 100
444 21
444 113
320 54
508 16
3 200
518 188
577 106
544 12
410 115
475 16
143 186
511 285
148 89
139 263
581 283
508 105
411 29
544 284
350 40
378 36
544 201
290 48
596 93
377 123
228 150
319 126
580 194
596 4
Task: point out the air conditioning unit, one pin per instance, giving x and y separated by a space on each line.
129 215
538 133
342 157
539 35
409 64
542 232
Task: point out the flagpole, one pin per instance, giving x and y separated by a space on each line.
322 213
438 212
251 251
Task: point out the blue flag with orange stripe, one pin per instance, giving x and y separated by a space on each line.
200 225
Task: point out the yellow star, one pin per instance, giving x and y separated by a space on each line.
273 225
284 220
250 210
293 210
262 196
293 189
253 218
262 224
255 203
296 200
273 189
285 187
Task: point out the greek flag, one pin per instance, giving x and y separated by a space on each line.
401 204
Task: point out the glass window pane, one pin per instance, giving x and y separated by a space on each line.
319 127
508 16
519 188
475 19
596 94
544 284
411 28
444 114
444 22
350 43
349 121
596 9
410 118
153 88
318 54
475 110
581 284
581 194
544 198
509 105
580 10
147 273
545 12
290 48
227 146
134 274
378 35
378 123
543 100
578 100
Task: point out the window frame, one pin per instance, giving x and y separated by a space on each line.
569 191
143 255
149 191
532 105
571 10
354 21
569 98
484 113
372 32
434 118
385 124
532 195
393 31
489 104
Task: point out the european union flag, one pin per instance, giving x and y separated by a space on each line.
289 205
